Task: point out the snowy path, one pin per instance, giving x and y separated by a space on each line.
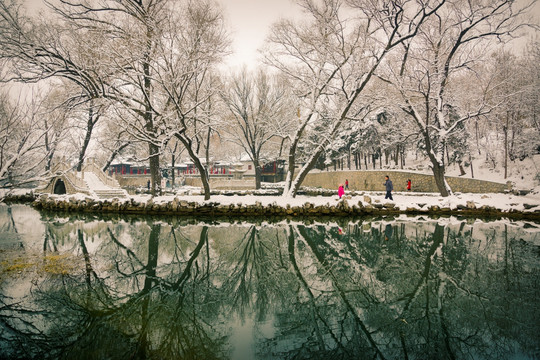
94 183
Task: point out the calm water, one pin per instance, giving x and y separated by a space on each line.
87 287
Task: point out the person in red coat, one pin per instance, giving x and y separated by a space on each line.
409 185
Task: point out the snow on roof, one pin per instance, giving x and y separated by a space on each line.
245 157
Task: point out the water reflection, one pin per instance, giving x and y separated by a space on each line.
173 288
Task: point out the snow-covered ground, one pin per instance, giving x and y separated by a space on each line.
402 200
93 182
523 174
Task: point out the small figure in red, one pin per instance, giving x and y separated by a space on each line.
346 184
409 185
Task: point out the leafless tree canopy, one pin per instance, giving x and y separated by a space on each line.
332 82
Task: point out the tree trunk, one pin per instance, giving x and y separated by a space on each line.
461 169
505 130
172 169
303 173
477 137
50 152
472 169
281 147
438 174
511 142
258 174
153 150
292 160
204 175
155 175
49 161
89 128
207 148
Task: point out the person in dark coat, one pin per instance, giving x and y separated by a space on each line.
389 187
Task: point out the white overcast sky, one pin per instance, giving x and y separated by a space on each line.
250 21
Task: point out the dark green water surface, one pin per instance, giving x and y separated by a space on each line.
89 287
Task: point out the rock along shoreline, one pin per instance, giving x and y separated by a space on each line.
180 207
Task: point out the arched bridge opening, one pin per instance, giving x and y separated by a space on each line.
59 187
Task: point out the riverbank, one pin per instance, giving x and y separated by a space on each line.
356 204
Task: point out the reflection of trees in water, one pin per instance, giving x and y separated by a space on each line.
8 229
94 318
8 223
434 304
253 279
170 289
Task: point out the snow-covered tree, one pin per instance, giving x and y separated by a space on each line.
148 57
195 44
22 137
260 109
55 119
67 56
448 46
513 83
331 60
113 139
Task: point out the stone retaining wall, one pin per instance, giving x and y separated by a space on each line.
180 207
217 183
132 181
212 209
374 180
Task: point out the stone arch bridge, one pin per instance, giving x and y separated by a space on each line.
63 179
